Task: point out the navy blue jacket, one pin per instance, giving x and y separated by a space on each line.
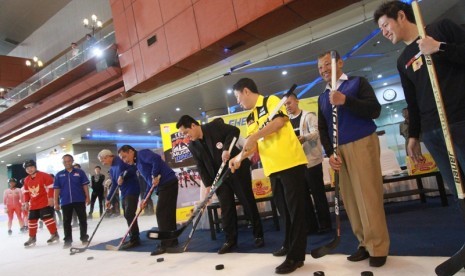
150 164
130 184
71 185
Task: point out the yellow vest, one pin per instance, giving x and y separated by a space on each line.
280 150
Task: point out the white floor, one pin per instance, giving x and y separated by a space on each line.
50 260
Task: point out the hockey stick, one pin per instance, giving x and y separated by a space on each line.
169 235
116 248
325 249
183 248
456 262
74 250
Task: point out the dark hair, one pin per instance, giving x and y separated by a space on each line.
338 57
68 155
126 148
292 95
245 83
186 121
97 167
76 165
391 10
29 163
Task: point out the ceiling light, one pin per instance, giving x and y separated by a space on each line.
2 161
229 91
62 138
149 132
284 73
378 42
380 76
385 83
396 115
88 129
38 147
178 109
120 130
19 154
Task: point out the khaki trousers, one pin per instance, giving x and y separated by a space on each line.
361 187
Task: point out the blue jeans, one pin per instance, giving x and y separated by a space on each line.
435 143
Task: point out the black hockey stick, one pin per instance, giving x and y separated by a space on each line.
456 262
116 248
183 248
325 249
74 250
169 235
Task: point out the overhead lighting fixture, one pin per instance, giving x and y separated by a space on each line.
39 147
62 138
19 154
178 109
380 76
88 129
35 63
120 130
2 161
94 24
284 72
229 91
385 83
149 132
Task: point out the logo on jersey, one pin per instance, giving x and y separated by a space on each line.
219 145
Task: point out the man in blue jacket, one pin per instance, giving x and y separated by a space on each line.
71 188
123 176
150 166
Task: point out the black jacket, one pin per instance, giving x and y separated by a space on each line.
217 136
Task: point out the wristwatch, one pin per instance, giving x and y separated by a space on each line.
442 47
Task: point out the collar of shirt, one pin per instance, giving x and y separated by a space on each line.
343 78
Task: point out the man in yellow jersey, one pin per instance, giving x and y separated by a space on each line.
283 161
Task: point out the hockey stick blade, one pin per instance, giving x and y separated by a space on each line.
77 249
325 249
453 264
111 247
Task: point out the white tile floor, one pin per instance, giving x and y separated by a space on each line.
50 260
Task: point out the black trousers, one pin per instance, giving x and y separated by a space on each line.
94 196
80 209
130 204
166 210
317 189
289 193
239 184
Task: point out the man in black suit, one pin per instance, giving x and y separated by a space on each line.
209 146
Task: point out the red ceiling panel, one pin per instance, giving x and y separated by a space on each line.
155 57
181 36
117 7
170 8
215 20
247 11
148 16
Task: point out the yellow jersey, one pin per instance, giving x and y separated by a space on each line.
280 150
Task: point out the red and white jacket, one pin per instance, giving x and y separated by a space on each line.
36 191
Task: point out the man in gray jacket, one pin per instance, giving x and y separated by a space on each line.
305 126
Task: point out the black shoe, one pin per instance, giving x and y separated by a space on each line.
85 240
227 247
130 244
67 244
10 232
281 252
288 266
360 255
159 250
259 242
377 261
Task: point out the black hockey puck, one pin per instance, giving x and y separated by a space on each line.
90 258
159 260
318 273
367 273
219 267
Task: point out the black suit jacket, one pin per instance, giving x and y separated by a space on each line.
217 137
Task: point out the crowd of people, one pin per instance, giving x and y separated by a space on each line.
296 173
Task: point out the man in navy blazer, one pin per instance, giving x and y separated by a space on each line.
209 146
